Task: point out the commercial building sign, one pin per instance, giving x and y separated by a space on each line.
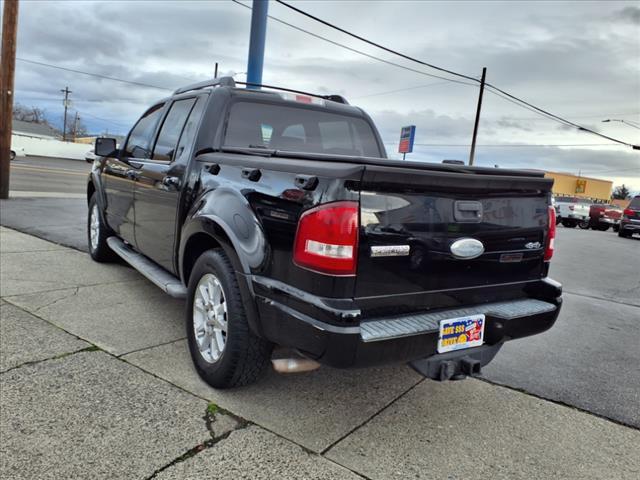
581 185
407 135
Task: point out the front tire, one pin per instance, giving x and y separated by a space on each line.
97 234
224 350
568 224
584 224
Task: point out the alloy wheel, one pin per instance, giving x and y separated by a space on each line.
210 318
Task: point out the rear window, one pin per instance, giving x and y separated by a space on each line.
298 129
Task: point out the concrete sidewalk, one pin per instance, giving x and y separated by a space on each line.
96 381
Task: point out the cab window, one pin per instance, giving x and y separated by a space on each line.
141 137
171 129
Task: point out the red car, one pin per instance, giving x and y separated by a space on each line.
603 216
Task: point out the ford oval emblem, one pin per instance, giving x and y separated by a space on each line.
467 248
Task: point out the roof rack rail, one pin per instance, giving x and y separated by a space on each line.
333 98
221 82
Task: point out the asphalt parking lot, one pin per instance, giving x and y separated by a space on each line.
96 379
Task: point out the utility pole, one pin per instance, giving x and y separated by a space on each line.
215 73
66 92
75 127
475 126
7 75
256 42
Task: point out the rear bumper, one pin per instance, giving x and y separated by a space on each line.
630 225
575 216
350 344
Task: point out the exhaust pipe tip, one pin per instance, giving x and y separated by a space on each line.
294 365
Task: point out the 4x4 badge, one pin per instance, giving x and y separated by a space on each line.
532 245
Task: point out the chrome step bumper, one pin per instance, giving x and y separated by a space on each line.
155 273
403 326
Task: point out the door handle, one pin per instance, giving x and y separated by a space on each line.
171 182
131 174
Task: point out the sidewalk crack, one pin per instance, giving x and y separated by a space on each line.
53 302
209 417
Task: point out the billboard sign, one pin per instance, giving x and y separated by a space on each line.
407 135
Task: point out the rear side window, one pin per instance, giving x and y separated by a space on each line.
298 129
141 136
635 203
171 129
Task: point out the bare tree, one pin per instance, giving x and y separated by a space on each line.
76 128
29 114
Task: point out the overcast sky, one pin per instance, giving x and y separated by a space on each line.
580 60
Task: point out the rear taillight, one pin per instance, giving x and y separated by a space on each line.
327 239
551 235
628 212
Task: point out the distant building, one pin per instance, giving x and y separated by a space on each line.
30 129
594 189
86 140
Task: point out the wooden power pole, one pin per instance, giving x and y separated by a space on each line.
475 125
66 92
7 75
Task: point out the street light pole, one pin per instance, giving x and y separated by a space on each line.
256 42
626 122
7 75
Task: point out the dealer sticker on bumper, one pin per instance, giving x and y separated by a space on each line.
462 332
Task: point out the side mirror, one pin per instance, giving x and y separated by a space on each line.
105 147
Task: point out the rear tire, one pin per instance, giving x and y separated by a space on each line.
97 234
224 350
623 234
616 228
568 224
584 224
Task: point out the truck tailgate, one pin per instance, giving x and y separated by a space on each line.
411 217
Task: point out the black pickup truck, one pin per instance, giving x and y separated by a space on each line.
279 218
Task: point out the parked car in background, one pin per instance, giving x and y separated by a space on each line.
602 216
90 156
630 221
572 211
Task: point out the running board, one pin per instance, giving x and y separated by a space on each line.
155 273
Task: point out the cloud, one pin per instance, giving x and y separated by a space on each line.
629 14
572 59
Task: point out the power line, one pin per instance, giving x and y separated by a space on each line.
558 118
602 115
108 120
595 172
506 145
400 90
335 27
521 102
354 50
115 79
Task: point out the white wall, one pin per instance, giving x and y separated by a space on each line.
48 147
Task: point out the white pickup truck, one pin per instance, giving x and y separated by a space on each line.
572 211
